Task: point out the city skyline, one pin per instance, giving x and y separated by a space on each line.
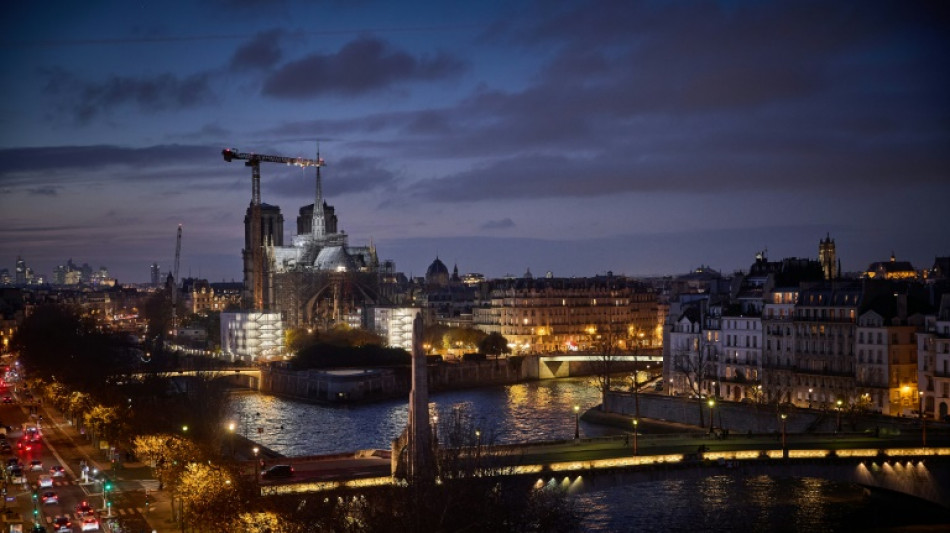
568 137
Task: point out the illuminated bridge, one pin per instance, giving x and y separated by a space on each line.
917 471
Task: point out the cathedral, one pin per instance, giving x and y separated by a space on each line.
318 280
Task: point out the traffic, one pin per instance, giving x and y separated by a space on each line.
40 490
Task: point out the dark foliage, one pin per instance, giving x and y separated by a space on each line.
329 356
57 344
494 344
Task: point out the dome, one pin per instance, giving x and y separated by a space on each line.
437 267
437 273
334 258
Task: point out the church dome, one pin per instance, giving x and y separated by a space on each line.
437 273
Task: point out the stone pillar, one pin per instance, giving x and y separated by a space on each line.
420 434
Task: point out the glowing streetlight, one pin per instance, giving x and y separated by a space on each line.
577 422
784 442
838 418
712 403
809 398
923 421
635 423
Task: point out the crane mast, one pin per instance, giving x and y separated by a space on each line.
175 284
256 245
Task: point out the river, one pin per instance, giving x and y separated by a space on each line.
544 410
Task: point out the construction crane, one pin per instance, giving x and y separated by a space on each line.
256 245
175 284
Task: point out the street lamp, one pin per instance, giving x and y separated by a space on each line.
784 442
838 418
923 421
257 465
635 423
577 422
809 398
231 428
712 403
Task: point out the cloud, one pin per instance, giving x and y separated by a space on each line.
43 170
362 66
504 223
44 191
86 100
262 52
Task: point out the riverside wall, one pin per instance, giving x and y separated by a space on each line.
739 417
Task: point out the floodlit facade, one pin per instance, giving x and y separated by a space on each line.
394 324
251 335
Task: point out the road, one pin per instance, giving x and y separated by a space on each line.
59 445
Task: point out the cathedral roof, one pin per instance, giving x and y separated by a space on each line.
334 258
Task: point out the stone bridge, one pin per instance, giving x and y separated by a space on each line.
920 472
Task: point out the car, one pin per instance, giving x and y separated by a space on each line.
24 445
278 471
7 399
16 472
57 471
61 524
36 464
45 481
89 524
13 462
84 509
49 497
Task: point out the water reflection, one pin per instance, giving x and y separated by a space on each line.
721 503
541 410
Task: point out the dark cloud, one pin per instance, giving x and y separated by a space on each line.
262 52
85 100
44 191
30 168
362 66
504 223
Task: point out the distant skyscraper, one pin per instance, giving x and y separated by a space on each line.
20 271
826 256
156 275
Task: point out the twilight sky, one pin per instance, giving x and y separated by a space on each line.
568 136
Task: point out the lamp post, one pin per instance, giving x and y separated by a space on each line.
838 417
635 423
257 466
784 442
923 421
712 403
577 422
809 398
231 427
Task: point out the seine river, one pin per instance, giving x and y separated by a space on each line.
544 410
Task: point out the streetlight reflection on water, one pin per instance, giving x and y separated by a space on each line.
511 413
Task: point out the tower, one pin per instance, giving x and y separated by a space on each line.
826 257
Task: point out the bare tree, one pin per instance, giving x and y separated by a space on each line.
695 368
607 343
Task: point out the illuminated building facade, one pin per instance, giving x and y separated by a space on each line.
565 314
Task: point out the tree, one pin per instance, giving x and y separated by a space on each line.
209 495
695 368
494 344
607 343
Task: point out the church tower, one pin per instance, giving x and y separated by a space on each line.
826 257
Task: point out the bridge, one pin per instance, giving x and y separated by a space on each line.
588 464
245 377
566 364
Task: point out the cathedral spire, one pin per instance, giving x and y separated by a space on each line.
319 219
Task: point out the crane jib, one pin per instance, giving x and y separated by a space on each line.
230 154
